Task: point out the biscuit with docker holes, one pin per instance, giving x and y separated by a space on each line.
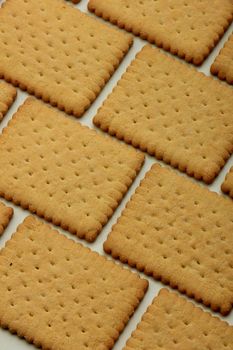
173 112
187 28
57 52
63 171
171 322
180 233
58 294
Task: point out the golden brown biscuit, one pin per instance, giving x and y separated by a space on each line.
60 295
181 234
64 172
187 28
172 111
173 323
58 53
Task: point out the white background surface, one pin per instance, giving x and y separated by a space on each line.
12 342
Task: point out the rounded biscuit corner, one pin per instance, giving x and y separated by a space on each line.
198 59
214 69
30 221
163 291
90 236
91 6
226 188
156 166
28 101
225 309
107 245
96 121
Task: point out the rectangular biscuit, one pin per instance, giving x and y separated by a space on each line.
63 171
172 323
173 112
60 295
187 28
7 97
58 53
6 214
223 64
227 186
181 234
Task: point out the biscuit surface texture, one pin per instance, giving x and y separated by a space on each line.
223 64
7 97
5 216
189 29
68 70
60 295
181 234
227 186
63 171
173 112
173 323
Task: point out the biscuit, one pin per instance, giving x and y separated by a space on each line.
7 97
63 171
58 294
6 214
68 71
187 28
223 64
173 112
171 322
227 186
181 234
